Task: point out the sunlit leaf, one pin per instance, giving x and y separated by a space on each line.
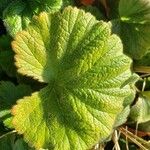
88 80
9 94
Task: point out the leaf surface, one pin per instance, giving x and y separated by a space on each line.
140 112
4 4
7 56
133 26
9 94
6 59
135 37
135 11
87 76
10 141
144 61
18 14
144 127
12 17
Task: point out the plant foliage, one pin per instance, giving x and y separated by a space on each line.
73 73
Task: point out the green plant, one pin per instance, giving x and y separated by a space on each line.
72 78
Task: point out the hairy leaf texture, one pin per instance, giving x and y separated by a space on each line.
87 75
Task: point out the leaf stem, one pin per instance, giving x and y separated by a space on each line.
137 140
142 69
115 140
8 133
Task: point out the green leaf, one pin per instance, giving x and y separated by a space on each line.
18 14
5 42
7 142
145 61
140 112
135 37
144 126
86 72
133 27
135 11
10 141
13 17
54 5
122 117
9 94
7 56
6 63
21 145
3 5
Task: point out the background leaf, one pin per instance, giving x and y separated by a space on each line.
13 142
135 11
145 61
7 56
135 37
12 17
140 112
9 94
132 25
4 4
6 59
144 127
18 14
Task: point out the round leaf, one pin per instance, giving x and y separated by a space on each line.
87 75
